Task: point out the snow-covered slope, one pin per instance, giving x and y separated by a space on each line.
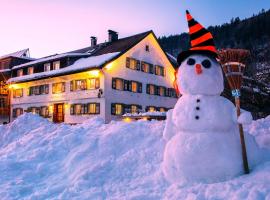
41 160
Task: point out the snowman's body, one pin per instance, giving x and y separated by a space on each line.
202 131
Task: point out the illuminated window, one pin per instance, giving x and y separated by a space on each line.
134 109
20 72
47 67
94 83
134 86
30 70
118 109
151 89
58 88
159 70
93 108
17 112
161 109
56 65
77 109
17 93
34 110
78 85
132 63
150 109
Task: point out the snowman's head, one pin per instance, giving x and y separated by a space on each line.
200 74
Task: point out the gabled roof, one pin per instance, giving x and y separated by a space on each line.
121 45
18 54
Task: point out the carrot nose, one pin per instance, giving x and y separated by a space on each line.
198 69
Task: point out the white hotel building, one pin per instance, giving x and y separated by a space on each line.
126 75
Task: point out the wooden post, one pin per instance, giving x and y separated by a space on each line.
242 137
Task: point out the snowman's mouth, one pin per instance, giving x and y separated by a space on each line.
198 69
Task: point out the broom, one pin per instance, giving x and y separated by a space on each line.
233 63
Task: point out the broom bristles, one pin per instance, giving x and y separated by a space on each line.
233 63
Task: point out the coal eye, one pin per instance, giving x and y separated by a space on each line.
206 63
191 61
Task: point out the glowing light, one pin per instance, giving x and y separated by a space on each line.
109 66
13 86
127 120
66 105
144 118
50 109
94 73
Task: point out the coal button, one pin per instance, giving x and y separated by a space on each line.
198 100
197 117
197 108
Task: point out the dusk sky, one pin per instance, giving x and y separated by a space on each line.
55 26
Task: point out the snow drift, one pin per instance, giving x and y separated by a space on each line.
41 160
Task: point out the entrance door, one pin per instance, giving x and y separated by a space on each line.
58 113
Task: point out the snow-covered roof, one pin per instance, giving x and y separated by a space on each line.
4 70
57 56
79 65
19 54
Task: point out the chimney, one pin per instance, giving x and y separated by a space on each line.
93 41
113 36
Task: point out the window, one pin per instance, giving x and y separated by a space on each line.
17 93
34 110
78 85
93 108
159 70
20 72
16 112
121 84
90 108
44 111
56 65
58 88
38 90
147 48
2 103
161 109
132 63
135 109
47 67
30 70
172 92
3 88
162 91
94 83
151 89
117 109
150 109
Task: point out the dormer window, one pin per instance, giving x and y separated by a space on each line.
20 72
30 70
56 65
47 67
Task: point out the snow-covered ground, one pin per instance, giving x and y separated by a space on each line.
41 160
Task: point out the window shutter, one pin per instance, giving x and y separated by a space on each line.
126 85
47 89
71 85
139 85
166 92
151 68
97 108
142 66
53 88
138 67
113 83
126 109
97 83
63 86
157 90
148 89
129 85
156 70
113 108
14 112
72 110
146 108
128 62
139 108
28 92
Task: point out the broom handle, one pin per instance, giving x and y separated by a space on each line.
242 138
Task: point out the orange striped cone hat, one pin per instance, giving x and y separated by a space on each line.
200 38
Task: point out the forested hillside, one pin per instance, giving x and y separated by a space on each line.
252 33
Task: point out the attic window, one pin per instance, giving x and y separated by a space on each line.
147 48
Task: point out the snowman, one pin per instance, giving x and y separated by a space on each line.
203 143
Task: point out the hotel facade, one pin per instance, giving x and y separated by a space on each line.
127 75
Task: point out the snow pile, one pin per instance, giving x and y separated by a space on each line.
142 114
41 160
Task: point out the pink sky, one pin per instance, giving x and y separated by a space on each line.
55 26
